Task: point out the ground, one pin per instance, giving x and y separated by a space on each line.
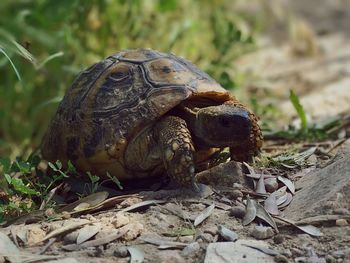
315 62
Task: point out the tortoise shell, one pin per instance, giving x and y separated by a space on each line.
111 101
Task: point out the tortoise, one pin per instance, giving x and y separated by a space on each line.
141 112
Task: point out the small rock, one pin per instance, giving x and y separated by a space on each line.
338 254
130 201
271 184
2 259
301 260
135 229
341 211
278 239
190 249
34 235
227 234
234 194
281 259
171 256
297 252
206 237
120 220
197 207
71 237
49 212
330 259
341 222
236 252
213 230
186 239
237 211
262 232
287 253
121 252
65 215
237 186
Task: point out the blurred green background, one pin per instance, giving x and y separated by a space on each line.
44 44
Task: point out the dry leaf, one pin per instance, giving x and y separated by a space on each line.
264 215
288 183
92 201
87 232
136 254
309 229
250 212
63 230
163 244
98 242
142 204
265 250
270 204
288 200
204 215
260 186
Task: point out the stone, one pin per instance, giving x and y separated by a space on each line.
238 252
120 220
341 222
190 249
262 232
237 211
320 191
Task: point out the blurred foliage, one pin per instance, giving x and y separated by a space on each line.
44 44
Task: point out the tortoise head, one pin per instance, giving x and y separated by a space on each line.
225 125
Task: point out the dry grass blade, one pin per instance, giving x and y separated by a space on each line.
136 255
98 242
250 212
204 215
163 244
63 230
142 204
288 183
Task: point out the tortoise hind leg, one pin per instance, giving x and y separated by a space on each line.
177 150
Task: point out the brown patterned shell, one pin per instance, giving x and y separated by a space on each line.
112 100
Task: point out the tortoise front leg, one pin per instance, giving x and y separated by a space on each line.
177 150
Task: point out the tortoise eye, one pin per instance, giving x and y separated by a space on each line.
225 122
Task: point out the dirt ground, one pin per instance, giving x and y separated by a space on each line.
173 226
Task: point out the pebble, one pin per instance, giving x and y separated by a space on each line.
71 237
278 239
121 252
341 222
271 184
2 259
186 239
341 211
206 237
330 259
120 220
227 234
287 253
135 229
297 252
190 249
338 254
237 211
262 232
213 230
234 194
